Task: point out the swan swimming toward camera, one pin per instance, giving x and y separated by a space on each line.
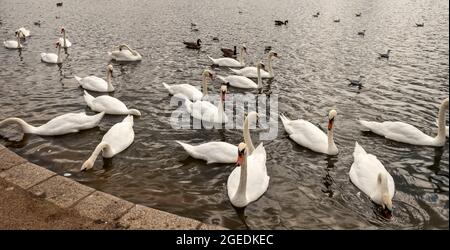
65 43
109 105
52 57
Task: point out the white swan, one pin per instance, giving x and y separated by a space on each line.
369 175
230 62
188 91
63 40
14 44
23 32
406 133
308 135
97 84
63 124
206 111
117 139
221 152
52 57
249 180
252 72
125 54
109 105
242 81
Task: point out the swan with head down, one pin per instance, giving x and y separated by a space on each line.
125 54
108 104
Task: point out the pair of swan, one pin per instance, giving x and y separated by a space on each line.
252 72
243 81
109 105
221 152
14 44
206 111
64 124
125 54
188 91
97 84
230 62
65 43
117 139
52 57
308 135
406 133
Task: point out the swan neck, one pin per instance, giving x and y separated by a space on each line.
241 57
97 150
258 72
108 80
26 128
441 124
270 66
18 41
331 145
64 38
205 85
247 136
58 60
242 188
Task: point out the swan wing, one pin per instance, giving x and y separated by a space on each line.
109 104
398 131
308 135
94 83
213 152
240 82
119 137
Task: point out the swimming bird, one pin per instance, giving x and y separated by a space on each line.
37 23
188 91
230 62
97 84
227 52
309 136
249 180
356 82
60 125
369 175
125 54
59 4
244 82
63 40
358 14
118 138
206 111
252 72
362 33
24 33
316 15
108 104
52 57
420 24
193 45
278 22
406 133
337 20
385 55
14 44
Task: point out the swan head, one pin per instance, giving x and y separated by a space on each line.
242 147
110 68
331 115
261 65
244 48
208 73
224 91
386 201
63 30
88 164
57 45
273 54
445 103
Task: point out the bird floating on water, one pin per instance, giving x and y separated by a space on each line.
59 4
358 14
278 22
362 33
227 52
385 55
356 82
420 24
193 45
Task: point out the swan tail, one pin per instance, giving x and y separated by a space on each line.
236 71
99 117
78 79
88 98
134 112
212 59
167 87
89 163
188 148
366 124
358 151
284 120
26 128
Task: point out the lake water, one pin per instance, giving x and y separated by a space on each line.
307 190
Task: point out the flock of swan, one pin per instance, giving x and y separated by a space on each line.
249 180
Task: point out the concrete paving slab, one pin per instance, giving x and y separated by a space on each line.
26 175
8 159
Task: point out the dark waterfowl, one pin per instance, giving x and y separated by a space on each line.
362 33
278 22
358 14
59 4
357 83
337 20
385 55
37 23
420 24
316 15
267 49
227 52
215 39
193 45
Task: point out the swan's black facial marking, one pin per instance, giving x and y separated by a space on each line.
330 123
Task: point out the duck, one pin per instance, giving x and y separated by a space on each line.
385 55
193 45
24 33
188 91
406 133
59 4
249 180
118 138
97 84
206 111
316 15
309 136
356 82
279 23
420 24
369 175
337 20
14 44
227 52
60 125
230 62
63 40
252 72
109 105
243 82
218 151
52 57
358 14
362 33
125 54
37 23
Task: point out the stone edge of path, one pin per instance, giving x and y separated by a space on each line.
88 202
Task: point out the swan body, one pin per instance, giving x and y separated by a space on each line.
64 124
230 62
252 72
370 176
117 139
308 135
97 84
125 54
52 57
109 105
206 111
249 181
23 32
220 152
65 43
242 81
407 133
14 44
188 91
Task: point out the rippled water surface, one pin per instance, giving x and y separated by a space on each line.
307 190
